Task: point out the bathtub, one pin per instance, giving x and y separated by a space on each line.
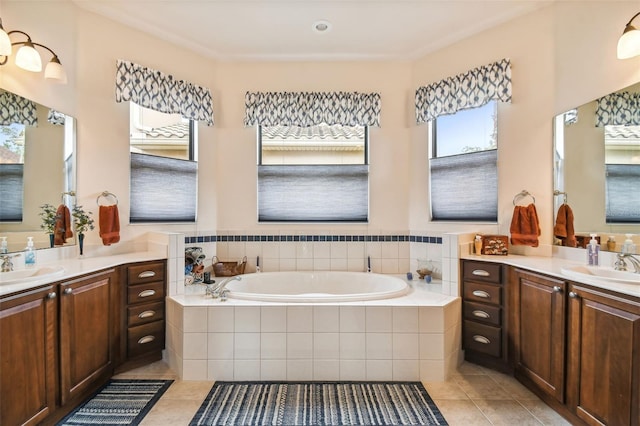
316 287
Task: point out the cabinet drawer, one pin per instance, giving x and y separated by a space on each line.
146 272
485 313
482 338
485 293
481 271
142 314
145 338
146 292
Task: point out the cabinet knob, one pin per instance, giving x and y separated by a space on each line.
146 274
557 288
146 339
146 293
68 290
480 314
480 273
51 295
482 293
146 314
573 295
481 339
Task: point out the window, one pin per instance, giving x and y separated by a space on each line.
12 142
313 174
163 167
463 165
622 166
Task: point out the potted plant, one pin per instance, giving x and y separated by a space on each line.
82 222
49 216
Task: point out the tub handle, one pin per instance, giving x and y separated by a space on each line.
481 339
482 293
146 293
481 314
480 273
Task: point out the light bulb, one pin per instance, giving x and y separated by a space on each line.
28 58
54 71
5 42
629 43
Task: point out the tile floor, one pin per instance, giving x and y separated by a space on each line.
473 396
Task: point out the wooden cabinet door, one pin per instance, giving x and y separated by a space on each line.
539 331
27 356
86 353
604 357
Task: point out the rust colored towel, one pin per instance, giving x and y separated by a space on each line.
109 224
62 228
563 229
525 227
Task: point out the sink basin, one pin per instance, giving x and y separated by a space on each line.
602 272
27 275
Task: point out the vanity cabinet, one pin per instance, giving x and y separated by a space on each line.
144 312
538 331
28 379
484 325
86 333
603 377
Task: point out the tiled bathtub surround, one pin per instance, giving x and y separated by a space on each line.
416 337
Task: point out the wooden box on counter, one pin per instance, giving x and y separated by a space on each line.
495 245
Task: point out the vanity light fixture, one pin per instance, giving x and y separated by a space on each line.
28 58
629 41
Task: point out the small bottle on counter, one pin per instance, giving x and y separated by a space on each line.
593 250
628 247
29 254
611 243
478 244
3 246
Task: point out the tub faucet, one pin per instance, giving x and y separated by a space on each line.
621 262
220 288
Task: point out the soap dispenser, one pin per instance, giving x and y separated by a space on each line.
3 246
628 247
593 250
30 254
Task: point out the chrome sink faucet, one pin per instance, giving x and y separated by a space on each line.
621 262
7 264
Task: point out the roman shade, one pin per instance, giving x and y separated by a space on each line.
162 92
472 89
306 109
11 190
622 195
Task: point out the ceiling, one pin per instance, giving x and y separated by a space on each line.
283 29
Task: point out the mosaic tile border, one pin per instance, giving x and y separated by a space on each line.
312 238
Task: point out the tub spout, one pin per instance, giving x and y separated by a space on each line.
220 288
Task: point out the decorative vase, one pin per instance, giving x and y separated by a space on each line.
51 240
81 242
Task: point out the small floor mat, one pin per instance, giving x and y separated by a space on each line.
119 402
318 403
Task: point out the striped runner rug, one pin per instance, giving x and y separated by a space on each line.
119 402
318 403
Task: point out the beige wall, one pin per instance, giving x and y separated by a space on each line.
562 56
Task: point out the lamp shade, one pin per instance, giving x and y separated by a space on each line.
55 72
28 58
5 43
629 43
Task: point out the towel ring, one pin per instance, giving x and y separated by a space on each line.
523 193
69 193
107 194
564 195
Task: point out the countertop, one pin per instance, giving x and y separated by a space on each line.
79 266
553 266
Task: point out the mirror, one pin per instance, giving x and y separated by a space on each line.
597 167
37 152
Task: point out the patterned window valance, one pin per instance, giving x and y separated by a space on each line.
571 117
55 117
306 109
620 109
472 89
161 92
16 109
